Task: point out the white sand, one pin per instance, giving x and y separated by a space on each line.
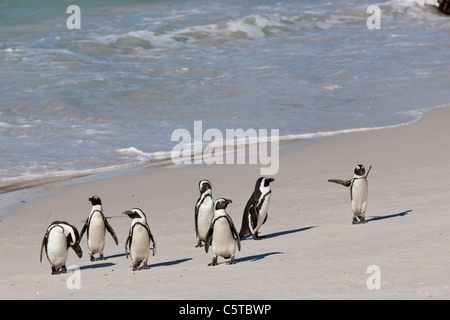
312 250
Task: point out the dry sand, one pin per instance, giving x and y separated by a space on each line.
312 250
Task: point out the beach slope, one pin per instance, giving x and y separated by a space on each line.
312 250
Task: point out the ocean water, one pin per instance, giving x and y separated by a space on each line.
110 94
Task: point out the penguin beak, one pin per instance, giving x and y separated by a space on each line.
229 201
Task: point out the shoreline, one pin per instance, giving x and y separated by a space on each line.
14 191
312 250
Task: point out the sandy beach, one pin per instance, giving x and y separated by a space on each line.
312 250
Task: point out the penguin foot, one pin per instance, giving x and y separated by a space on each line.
258 237
63 269
232 261
199 244
101 257
214 262
92 258
144 265
54 271
360 221
138 266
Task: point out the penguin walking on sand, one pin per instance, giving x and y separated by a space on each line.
204 211
257 209
59 237
223 234
358 192
139 238
96 226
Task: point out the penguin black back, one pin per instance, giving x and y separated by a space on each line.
256 209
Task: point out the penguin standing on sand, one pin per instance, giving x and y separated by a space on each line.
257 209
59 237
223 233
204 211
96 226
139 238
358 192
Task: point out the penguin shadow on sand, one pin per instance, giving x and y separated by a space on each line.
257 257
169 263
96 265
103 264
396 215
280 233
270 235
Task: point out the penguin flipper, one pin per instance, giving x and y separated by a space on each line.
370 168
265 219
238 241
83 230
128 243
44 244
111 232
345 183
152 240
196 217
235 233
245 227
209 235
253 211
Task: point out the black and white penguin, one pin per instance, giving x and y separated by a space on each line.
223 234
257 209
359 190
96 226
204 211
139 238
59 237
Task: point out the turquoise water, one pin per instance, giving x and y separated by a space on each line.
111 93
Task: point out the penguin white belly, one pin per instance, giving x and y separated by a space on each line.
96 239
57 250
223 241
359 196
140 244
204 219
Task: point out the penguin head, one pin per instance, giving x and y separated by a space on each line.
263 182
360 170
95 200
74 241
135 214
204 185
72 235
222 203
267 181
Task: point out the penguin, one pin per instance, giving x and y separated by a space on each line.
223 234
96 226
204 211
358 192
257 209
139 238
59 237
